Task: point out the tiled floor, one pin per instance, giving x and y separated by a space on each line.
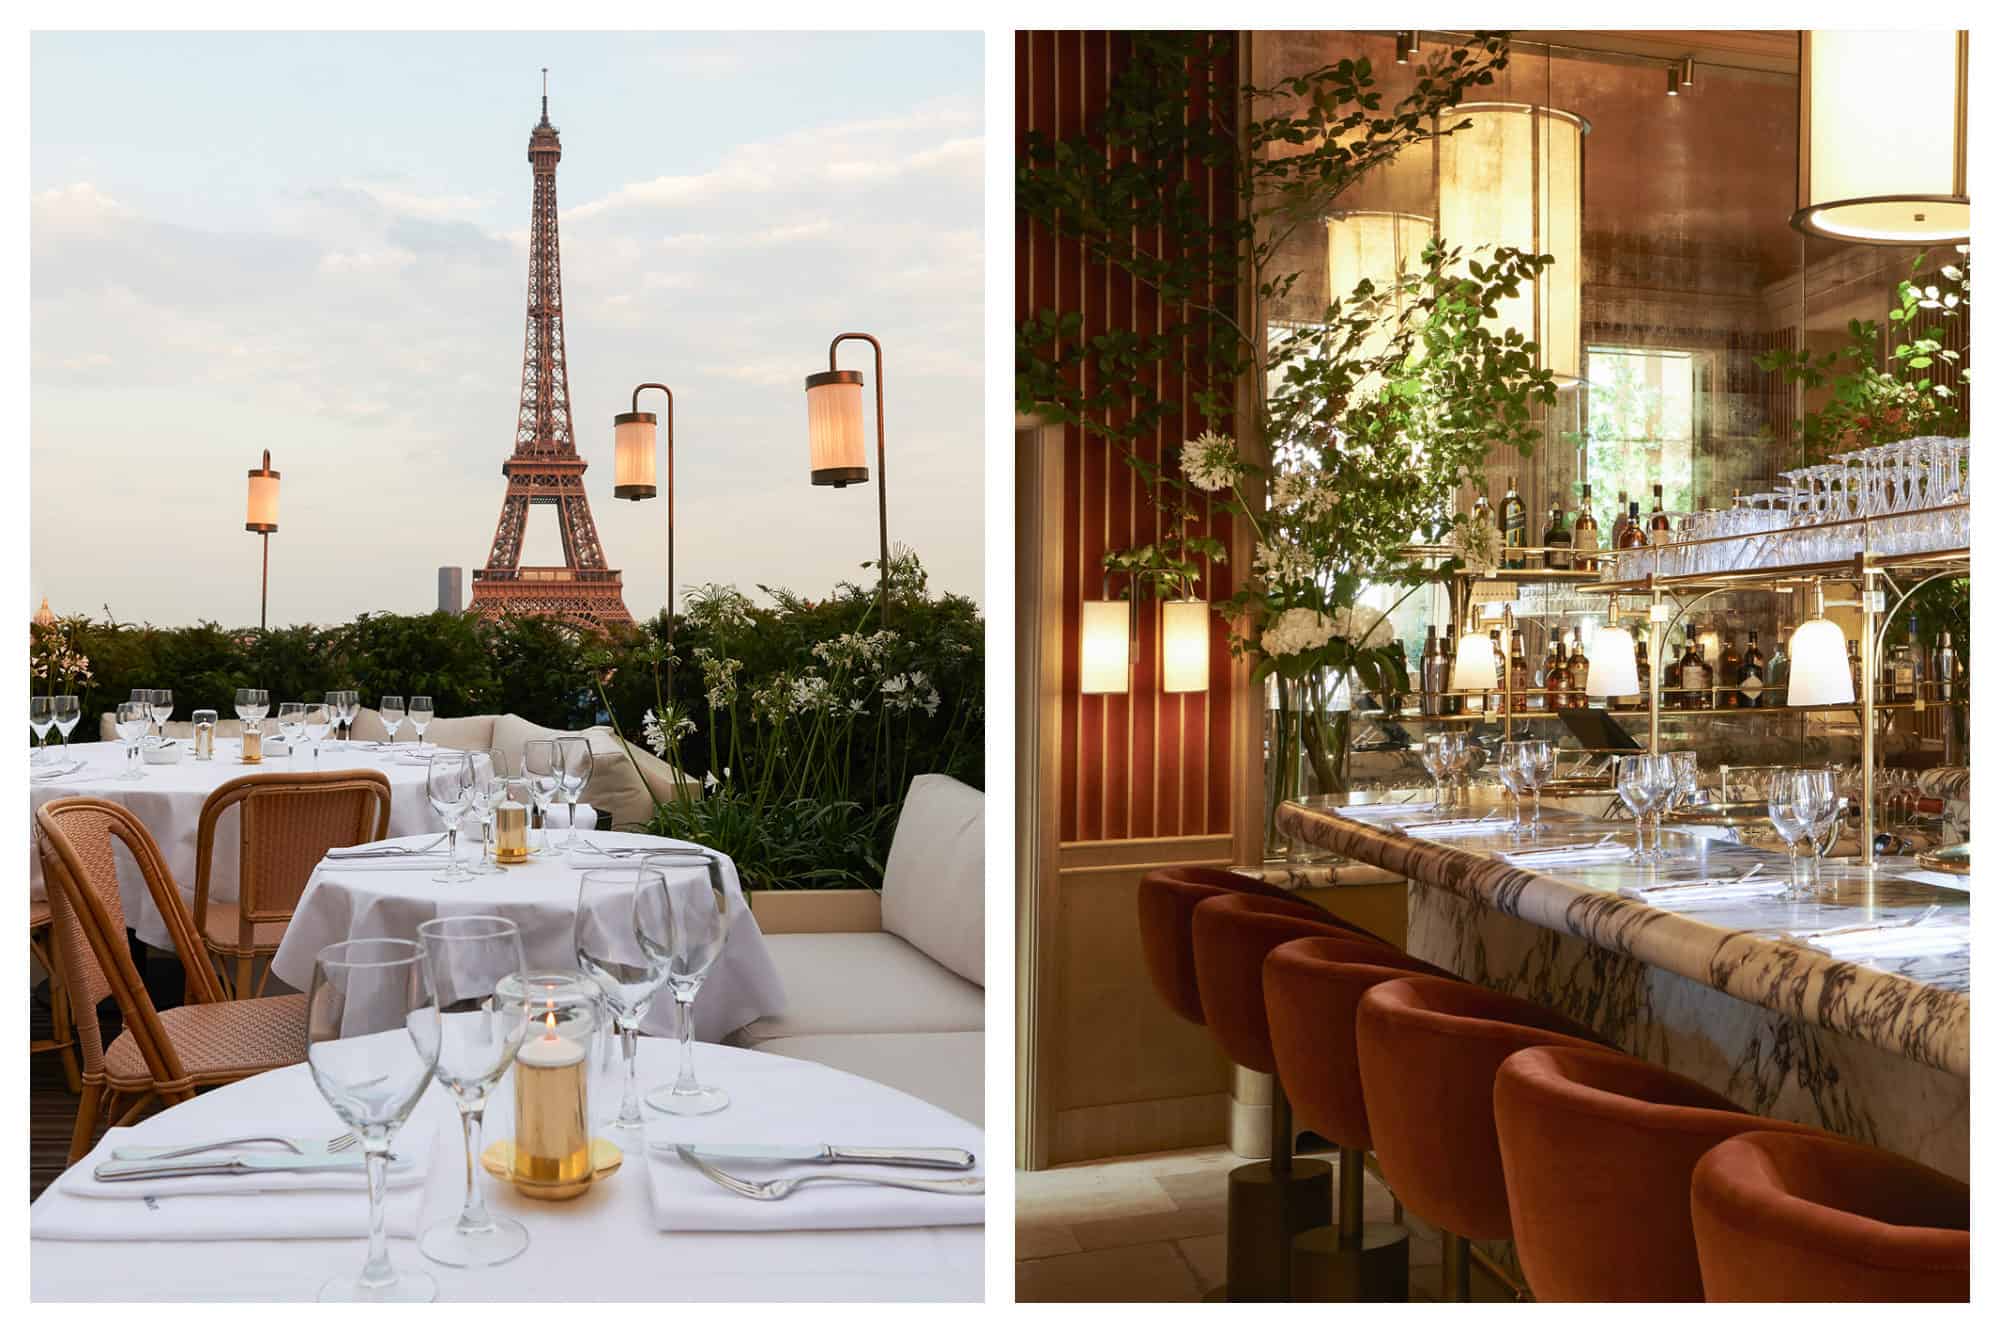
1150 1229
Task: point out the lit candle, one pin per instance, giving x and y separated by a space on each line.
551 1119
253 745
510 833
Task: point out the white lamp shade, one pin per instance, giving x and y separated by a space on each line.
1183 647
634 435
1819 673
1514 177
833 424
1474 667
260 513
1378 247
1614 665
1105 659
1885 170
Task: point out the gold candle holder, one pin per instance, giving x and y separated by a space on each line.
551 1148
510 832
253 744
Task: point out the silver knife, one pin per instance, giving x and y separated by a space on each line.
236 1164
938 1159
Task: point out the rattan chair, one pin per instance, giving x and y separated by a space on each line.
159 1056
62 1031
285 823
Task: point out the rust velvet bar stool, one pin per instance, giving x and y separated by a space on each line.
1599 1149
1781 1216
1312 989
1272 1201
1429 1049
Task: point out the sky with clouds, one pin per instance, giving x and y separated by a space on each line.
316 244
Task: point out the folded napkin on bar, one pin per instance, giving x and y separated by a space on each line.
278 1205
1388 808
1451 828
1891 941
686 1200
1704 891
1550 856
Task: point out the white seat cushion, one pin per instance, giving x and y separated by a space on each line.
934 886
946 1069
864 982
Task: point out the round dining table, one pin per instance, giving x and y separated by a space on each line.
168 799
370 896
628 1238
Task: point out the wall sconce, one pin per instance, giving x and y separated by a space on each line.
633 436
1104 661
1673 80
261 517
838 445
1406 47
1183 646
1819 673
1110 630
1883 170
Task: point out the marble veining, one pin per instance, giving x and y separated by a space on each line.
1917 1007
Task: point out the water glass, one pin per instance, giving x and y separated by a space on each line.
1536 765
163 709
488 788
421 714
479 1032
541 767
1510 778
252 706
1818 804
609 906
68 712
292 726
134 719
315 721
1782 804
372 1046
392 715
41 718
573 774
1641 787
689 934
1437 765
450 790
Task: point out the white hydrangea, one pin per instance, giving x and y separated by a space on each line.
1209 462
1298 630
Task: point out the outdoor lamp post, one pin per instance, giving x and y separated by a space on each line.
261 516
633 436
839 445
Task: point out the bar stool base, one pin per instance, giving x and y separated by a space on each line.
1378 1269
1265 1212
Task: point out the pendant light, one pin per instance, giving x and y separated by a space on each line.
1818 652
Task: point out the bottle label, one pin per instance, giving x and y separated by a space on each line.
1751 688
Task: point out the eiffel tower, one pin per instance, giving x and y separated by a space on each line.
544 468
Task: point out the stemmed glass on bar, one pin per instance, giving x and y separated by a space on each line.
449 786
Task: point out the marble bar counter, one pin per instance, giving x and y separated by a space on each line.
1868 1034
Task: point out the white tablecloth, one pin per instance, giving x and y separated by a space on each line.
168 800
344 902
601 1247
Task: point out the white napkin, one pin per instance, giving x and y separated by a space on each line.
1705 891
1388 808
421 758
1893 942
275 1206
558 816
1610 851
686 1200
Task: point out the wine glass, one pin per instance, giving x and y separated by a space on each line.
133 719
372 1045
697 916
316 720
541 767
1436 765
1687 778
609 952
1510 778
41 717
1639 788
421 714
163 708
1818 806
573 768
252 706
1782 803
1462 750
488 788
478 1034
1537 760
68 712
392 716
292 726
449 786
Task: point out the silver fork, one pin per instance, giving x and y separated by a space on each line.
769 1191
361 853
339 1143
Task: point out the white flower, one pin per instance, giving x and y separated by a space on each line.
710 782
1298 630
1282 561
811 694
660 732
1209 462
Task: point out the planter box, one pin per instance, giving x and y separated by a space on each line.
816 911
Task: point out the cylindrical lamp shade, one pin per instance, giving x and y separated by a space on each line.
261 513
1105 656
1474 668
1883 170
1514 177
1375 246
1819 673
1614 665
1183 647
634 435
833 421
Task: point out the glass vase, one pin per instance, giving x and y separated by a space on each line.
1306 731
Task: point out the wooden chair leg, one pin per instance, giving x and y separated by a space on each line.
64 1031
244 963
87 1109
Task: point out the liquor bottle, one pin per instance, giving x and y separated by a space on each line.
1670 676
1452 704
1517 677
1482 518
1778 675
1619 522
1557 538
1496 698
1430 680
1728 671
1579 674
1899 677
1514 527
1554 692
1585 541
1642 658
1854 665
1750 679
1633 533
1919 667
1944 670
1660 528
1695 675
